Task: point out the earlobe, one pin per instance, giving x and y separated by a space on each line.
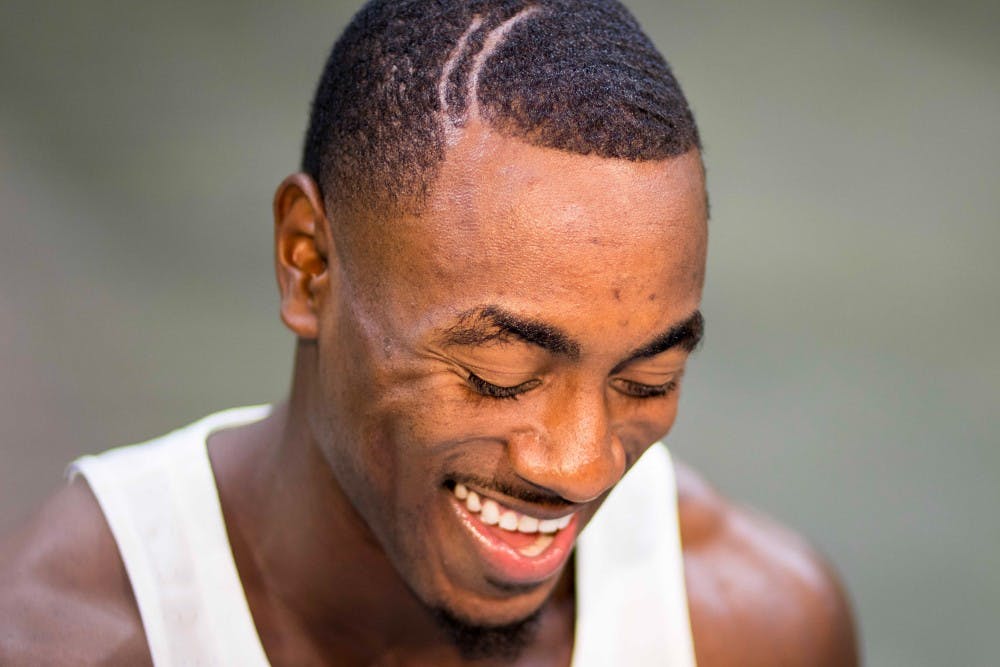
302 247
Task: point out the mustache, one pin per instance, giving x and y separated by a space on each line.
527 494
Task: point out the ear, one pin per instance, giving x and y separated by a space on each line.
302 253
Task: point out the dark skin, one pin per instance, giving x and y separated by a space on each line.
347 481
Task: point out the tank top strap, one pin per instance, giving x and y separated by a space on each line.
630 594
161 503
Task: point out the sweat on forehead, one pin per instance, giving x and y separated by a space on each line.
574 75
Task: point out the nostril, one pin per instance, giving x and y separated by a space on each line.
576 475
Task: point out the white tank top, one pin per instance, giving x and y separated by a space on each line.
161 503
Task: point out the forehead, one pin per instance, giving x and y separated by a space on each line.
561 193
549 233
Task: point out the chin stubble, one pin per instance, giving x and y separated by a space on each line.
476 642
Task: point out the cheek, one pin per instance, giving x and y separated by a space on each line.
643 424
359 453
436 409
399 436
380 471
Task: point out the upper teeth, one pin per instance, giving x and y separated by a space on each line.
493 513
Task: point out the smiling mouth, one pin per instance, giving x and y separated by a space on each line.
518 547
528 534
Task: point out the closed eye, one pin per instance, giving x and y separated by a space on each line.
484 388
640 390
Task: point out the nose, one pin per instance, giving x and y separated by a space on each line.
572 450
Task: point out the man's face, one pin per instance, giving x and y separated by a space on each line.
513 341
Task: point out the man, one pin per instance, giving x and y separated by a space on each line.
493 262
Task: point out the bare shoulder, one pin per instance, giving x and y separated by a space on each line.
65 598
758 593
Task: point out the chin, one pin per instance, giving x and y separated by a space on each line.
512 606
483 639
477 600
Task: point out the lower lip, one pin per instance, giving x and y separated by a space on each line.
505 562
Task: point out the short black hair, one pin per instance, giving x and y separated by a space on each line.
574 75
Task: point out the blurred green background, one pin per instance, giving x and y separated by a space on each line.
850 379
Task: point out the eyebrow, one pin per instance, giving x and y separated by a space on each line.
491 323
685 335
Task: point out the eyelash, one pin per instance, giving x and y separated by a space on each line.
491 390
639 390
632 389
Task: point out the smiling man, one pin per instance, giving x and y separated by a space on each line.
492 262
